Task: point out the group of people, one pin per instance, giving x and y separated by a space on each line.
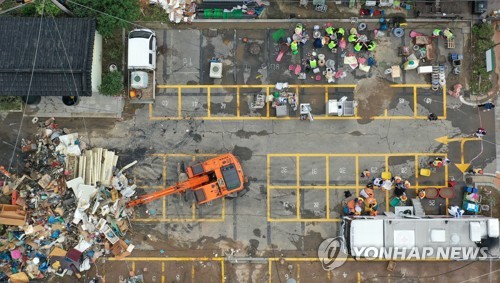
335 37
366 203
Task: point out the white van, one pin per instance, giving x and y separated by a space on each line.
142 49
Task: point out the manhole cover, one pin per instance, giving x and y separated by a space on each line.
254 49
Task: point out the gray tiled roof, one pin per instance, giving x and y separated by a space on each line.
53 72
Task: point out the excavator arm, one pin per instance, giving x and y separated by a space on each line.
180 187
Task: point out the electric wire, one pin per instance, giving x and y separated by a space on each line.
29 87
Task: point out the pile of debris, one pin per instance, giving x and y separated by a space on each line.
178 10
65 210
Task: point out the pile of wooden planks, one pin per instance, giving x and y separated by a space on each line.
95 165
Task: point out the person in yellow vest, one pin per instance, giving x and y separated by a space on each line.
371 45
313 63
352 38
437 32
329 31
340 33
448 34
358 46
295 47
332 44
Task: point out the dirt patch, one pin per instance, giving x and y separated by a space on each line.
374 96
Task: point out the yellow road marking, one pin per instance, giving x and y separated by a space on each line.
297 190
162 272
359 277
415 105
209 104
357 175
223 276
327 165
192 273
353 154
298 273
268 169
387 192
179 102
238 101
444 101
270 271
133 266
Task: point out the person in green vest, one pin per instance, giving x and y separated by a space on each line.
295 47
371 45
313 63
340 33
437 32
332 44
330 31
358 46
353 38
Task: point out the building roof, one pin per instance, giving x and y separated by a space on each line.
54 70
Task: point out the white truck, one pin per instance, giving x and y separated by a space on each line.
141 60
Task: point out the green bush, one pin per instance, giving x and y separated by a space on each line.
112 84
483 31
10 103
111 13
27 10
50 8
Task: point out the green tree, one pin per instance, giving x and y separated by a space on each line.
111 84
483 31
50 8
111 13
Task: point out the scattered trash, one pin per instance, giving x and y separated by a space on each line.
67 207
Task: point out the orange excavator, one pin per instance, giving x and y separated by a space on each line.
209 180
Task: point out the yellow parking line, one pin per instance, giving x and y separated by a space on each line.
162 272
268 92
297 189
359 277
133 266
416 173
270 271
192 273
415 105
327 165
298 273
303 220
354 154
387 192
238 101
357 175
268 169
209 104
179 102
411 85
222 268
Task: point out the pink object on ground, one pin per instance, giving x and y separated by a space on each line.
414 34
291 67
342 44
280 55
298 69
15 254
361 60
318 77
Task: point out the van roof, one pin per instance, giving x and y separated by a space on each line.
138 50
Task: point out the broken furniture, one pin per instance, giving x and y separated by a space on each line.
396 73
259 103
12 215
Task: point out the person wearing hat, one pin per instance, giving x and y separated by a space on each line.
329 31
332 44
437 32
340 33
371 45
295 47
358 46
352 38
313 63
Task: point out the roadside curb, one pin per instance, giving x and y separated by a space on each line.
487 179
